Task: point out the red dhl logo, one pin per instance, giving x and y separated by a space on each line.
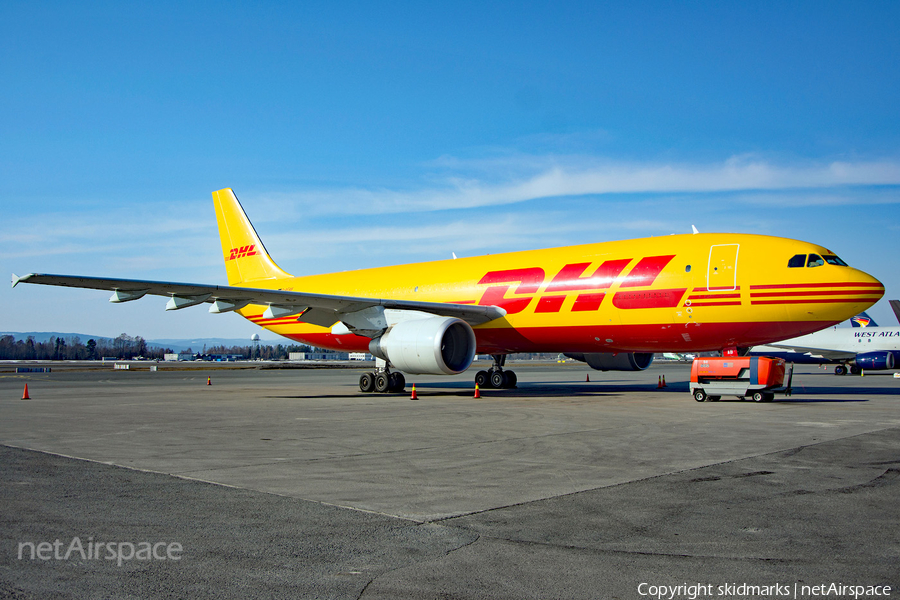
243 251
574 278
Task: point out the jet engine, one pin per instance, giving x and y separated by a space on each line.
622 361
875 361
433 345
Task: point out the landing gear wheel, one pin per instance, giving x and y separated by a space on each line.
758 396
382 382
482 379
699 395
840 370
398 382
498 379
511 379
854 370
366 382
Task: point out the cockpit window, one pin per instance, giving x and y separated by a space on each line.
814 260
797 261
831 259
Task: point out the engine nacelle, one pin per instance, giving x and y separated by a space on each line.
622 361
433 345
875 361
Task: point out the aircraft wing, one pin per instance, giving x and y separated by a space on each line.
829 353
319 309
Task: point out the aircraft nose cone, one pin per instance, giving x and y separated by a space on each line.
869 289
870 282
838 294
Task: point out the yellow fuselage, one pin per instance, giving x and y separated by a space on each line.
674 293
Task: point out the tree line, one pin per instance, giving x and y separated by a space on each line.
124 347
277 352
72 348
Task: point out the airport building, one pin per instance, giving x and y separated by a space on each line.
179 356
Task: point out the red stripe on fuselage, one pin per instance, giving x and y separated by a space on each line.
813 301
715 303
815 285
811 293
712 296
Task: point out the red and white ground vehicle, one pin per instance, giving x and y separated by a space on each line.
756 376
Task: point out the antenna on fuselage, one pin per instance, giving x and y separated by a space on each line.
694 229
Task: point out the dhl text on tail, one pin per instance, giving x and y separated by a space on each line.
611 304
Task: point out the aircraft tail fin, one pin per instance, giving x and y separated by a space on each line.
895 304
863 320
246 259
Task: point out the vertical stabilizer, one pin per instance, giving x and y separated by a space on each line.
246 259
863 320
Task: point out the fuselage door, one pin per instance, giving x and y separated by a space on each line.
721 274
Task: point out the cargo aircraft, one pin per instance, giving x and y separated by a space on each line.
611 304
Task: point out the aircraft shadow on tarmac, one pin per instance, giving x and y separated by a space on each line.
556 389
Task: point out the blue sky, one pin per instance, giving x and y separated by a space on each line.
365 134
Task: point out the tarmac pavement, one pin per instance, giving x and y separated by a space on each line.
292 483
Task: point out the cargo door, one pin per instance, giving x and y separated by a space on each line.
721 273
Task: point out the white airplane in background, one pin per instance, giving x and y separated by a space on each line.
677 356
865 346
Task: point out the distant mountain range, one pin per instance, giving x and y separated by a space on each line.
195 344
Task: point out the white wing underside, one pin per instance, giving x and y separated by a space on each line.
828 353
318 309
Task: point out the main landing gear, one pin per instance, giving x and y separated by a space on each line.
496 377
842 370
383 380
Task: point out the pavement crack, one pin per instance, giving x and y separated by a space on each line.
888 477
477 536
583 549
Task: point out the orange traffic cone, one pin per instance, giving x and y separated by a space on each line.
659 383
477 391
664 381
587 378
413 396
209 381
25 395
